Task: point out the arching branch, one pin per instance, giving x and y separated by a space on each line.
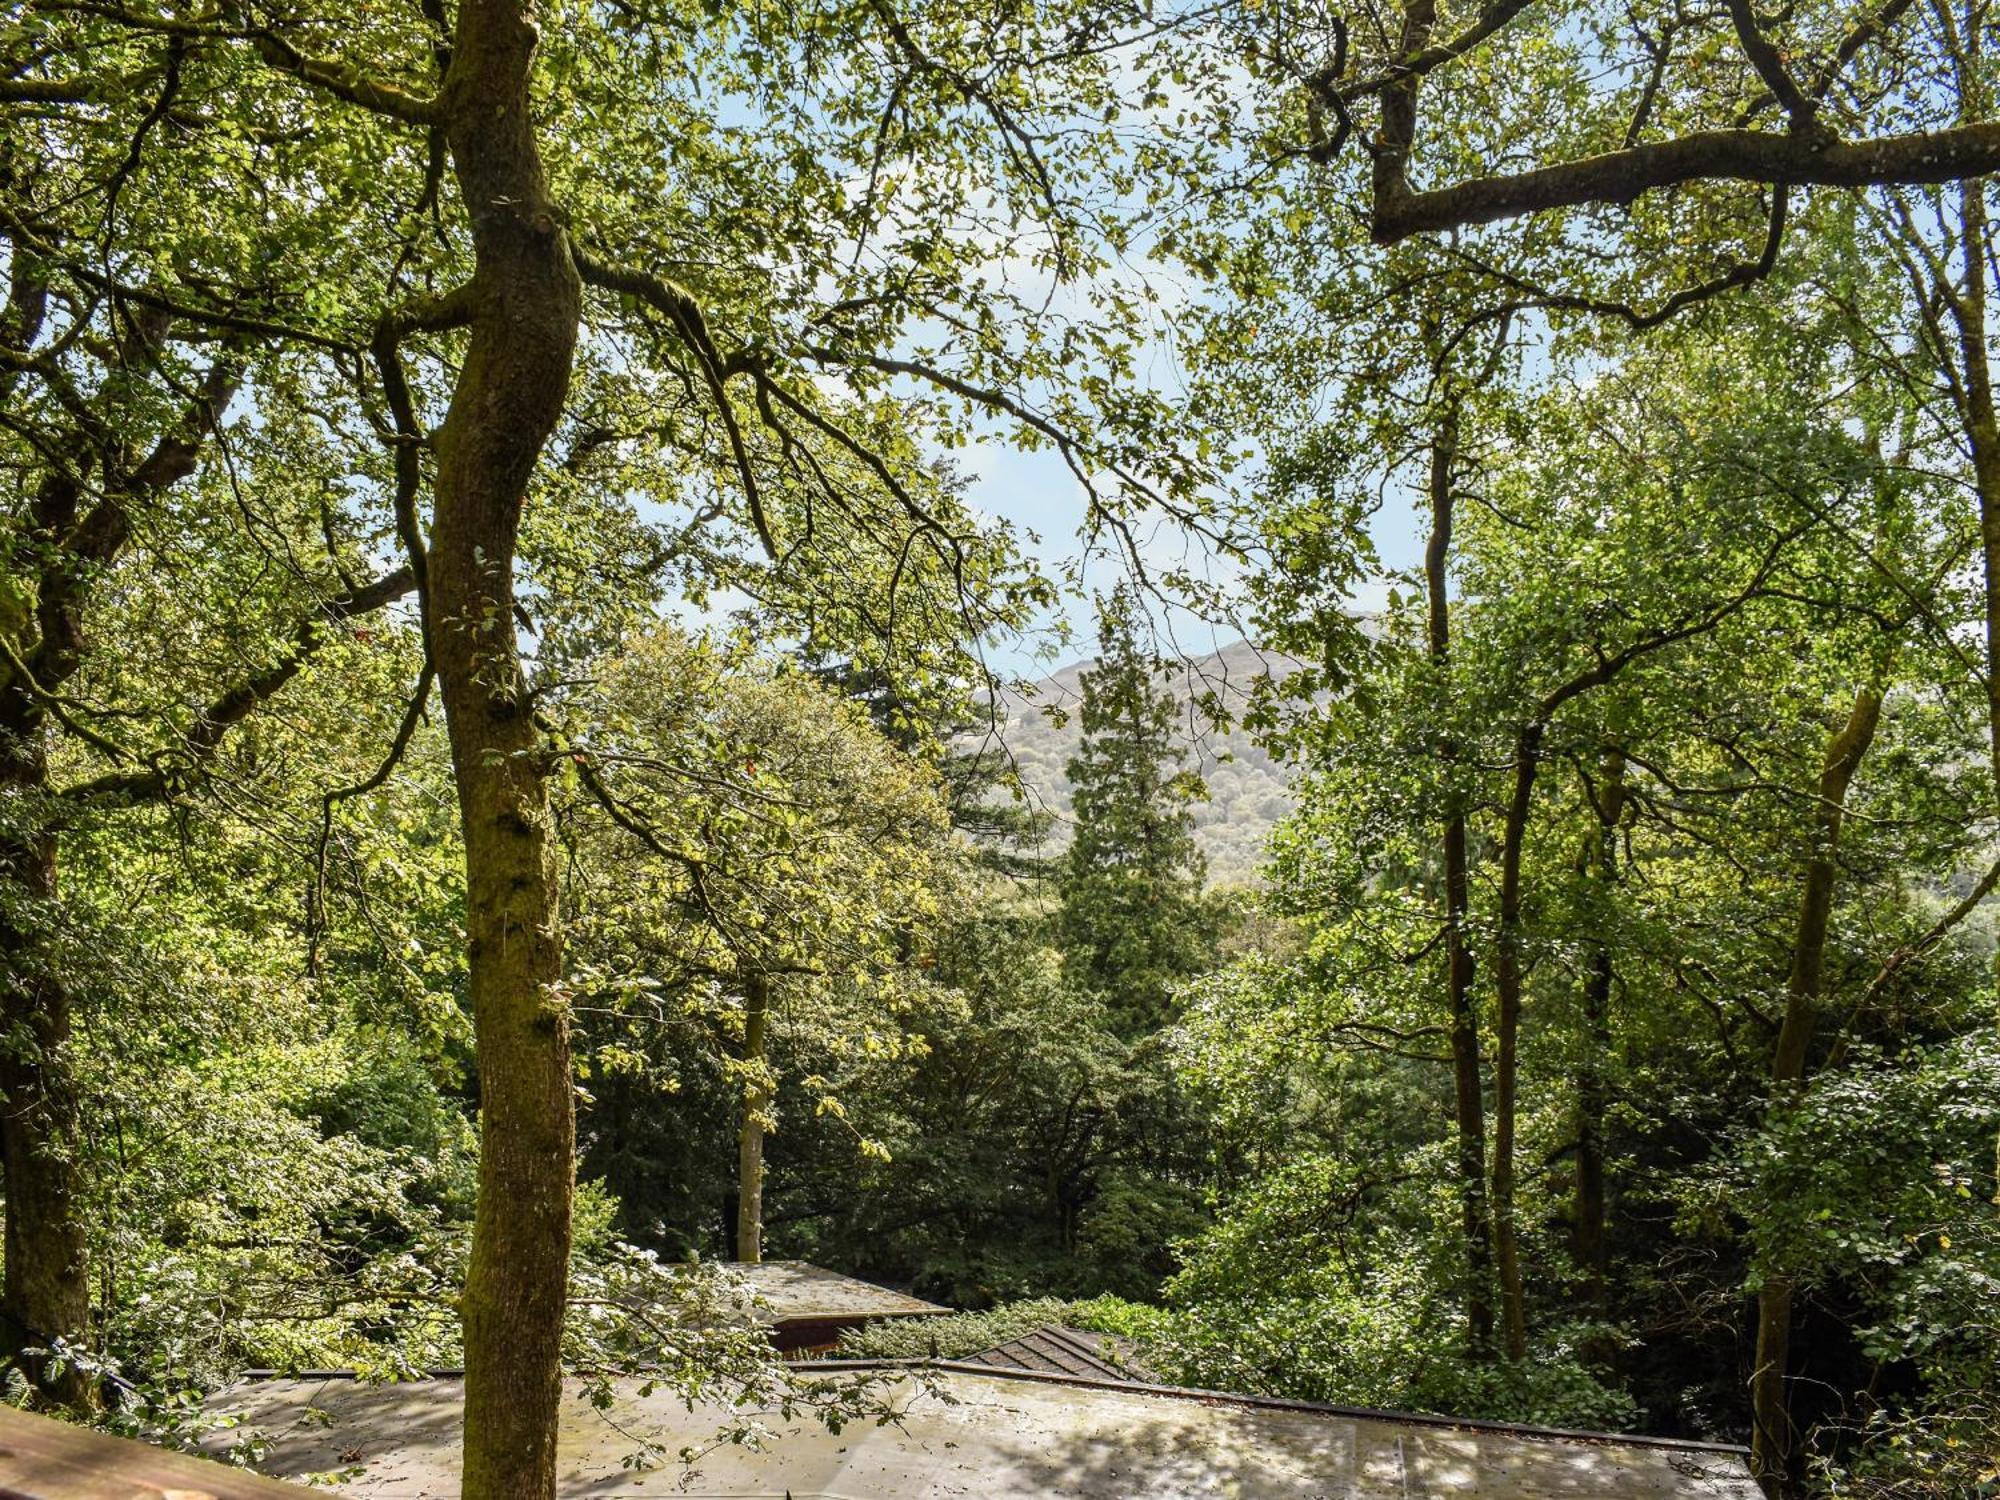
199 742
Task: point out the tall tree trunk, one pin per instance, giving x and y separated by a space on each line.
46 1296
46 1292
1591 1242
1982 432
1772 1451
1508 977
525 310
1506 1038
1468 1101
750 1131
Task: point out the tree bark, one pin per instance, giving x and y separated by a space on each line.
525 311
1468 1101
1591 1242
1772 1451
46 1297
1982 430
1507 1033
1982 433
1963 152
750 1131
46 1292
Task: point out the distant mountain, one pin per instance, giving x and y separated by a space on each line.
1248 790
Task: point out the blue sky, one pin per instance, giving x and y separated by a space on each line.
1037 492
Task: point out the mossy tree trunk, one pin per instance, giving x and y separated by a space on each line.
46 1295
77 531
1773 1453
1468 1092
524 312
1599 862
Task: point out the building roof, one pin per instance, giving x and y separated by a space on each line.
1053 1350
799 1292
43 1459
968 1430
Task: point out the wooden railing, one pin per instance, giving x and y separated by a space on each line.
43 1459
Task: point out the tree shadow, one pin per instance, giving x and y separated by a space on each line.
990 1437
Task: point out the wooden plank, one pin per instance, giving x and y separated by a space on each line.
43 1459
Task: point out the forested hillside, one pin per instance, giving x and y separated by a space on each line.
1247 788
507 508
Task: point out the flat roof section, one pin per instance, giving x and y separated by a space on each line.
799 1291
1000 1436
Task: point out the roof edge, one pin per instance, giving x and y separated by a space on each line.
1283 1403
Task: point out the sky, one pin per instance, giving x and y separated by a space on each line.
1037 492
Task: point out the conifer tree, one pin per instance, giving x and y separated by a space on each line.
958 737
1132 920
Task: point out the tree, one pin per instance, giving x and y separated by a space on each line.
1629 931
123 485
1029 1148
1656 100
1586 653
760 861
1132 918
575 199
982 786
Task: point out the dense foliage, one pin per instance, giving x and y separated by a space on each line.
504 790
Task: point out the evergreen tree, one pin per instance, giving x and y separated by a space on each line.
1132 919
956 734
